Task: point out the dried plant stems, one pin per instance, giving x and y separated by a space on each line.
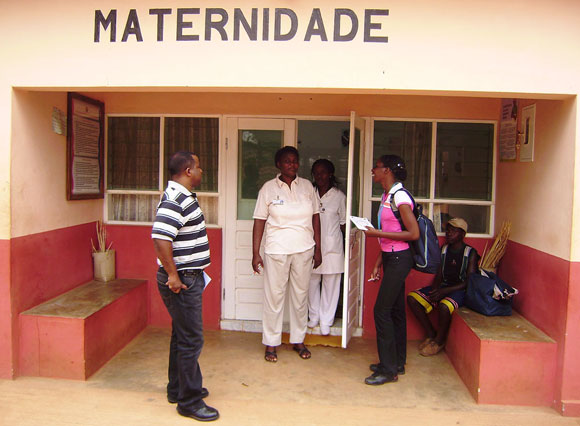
101 239
490 259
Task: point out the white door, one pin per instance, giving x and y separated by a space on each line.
251 144
354 241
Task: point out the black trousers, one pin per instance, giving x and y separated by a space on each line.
185 379
390 316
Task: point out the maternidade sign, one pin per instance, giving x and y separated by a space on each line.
253 24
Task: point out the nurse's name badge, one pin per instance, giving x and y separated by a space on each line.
278 202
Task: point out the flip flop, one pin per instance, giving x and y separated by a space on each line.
303 352
271 356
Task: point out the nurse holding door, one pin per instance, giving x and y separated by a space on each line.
287 213
332 206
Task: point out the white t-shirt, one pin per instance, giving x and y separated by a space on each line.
332 208
288 214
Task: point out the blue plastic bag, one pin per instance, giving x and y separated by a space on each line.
489 295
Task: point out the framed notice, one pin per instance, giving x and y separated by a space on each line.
85 148
508 130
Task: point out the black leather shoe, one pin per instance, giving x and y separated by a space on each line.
205 413
400 370
380 379
204 394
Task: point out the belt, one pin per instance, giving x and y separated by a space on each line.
185 272
191 272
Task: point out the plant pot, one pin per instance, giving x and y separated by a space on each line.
104 265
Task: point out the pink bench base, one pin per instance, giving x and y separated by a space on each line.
502 360
75 334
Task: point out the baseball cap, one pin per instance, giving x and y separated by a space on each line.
457 222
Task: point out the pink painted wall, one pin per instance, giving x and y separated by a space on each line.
47 264
135 258
538 260
6 348
549 299
570 370
543 283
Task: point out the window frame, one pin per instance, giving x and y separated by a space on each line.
431 200
162 165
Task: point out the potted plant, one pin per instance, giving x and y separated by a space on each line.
103 256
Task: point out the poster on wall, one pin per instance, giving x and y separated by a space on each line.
85 145
508 130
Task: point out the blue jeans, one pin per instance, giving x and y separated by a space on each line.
185 379
389 312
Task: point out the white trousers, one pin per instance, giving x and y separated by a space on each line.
322 304
286 273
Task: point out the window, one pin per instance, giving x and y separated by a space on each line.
137 146
450 168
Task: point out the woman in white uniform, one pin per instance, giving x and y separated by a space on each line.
332 207
287 215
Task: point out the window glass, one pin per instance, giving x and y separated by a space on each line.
412 142
198 135
133 153
324 139
477 217
464 161
256 151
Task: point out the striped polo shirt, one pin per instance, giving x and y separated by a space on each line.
180 220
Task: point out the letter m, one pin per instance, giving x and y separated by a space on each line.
110 21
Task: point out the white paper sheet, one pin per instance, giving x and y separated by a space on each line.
206 279
361 223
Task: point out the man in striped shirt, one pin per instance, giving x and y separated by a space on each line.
182 249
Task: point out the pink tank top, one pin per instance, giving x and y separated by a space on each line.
388 221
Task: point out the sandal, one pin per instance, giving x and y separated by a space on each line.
432 348
302 350
271 356
424 343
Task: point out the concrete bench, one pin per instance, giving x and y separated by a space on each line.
502 360
76 333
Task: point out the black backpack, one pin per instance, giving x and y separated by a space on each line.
464 261
426 251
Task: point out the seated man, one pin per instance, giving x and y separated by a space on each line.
447 292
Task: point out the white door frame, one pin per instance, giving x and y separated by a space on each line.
237 246
289 125
354 239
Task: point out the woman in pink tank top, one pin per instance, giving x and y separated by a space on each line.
396 261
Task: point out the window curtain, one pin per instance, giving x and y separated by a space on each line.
200 136
416 151
133 153
412 142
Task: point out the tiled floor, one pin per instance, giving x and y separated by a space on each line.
325 390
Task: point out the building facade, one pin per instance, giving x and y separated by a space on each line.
427 80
